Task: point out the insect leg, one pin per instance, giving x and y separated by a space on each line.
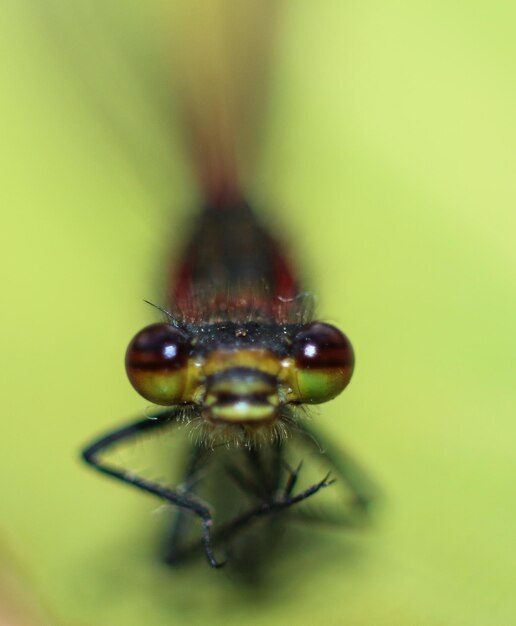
266 508
292 479
240 522
92 453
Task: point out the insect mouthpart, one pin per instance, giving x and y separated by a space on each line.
241 395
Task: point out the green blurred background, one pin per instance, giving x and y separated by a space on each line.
389 155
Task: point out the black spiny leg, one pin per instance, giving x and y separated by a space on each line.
92 453
292 479
270 501
285 501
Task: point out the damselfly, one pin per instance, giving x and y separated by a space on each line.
237 359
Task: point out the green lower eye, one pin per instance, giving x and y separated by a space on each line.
315 386
160 388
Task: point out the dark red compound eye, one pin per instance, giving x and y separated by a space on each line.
156 363
324 362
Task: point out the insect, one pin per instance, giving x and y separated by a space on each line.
236 360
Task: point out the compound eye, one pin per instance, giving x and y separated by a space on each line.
324 362
156 363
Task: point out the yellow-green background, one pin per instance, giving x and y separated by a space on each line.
390 157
